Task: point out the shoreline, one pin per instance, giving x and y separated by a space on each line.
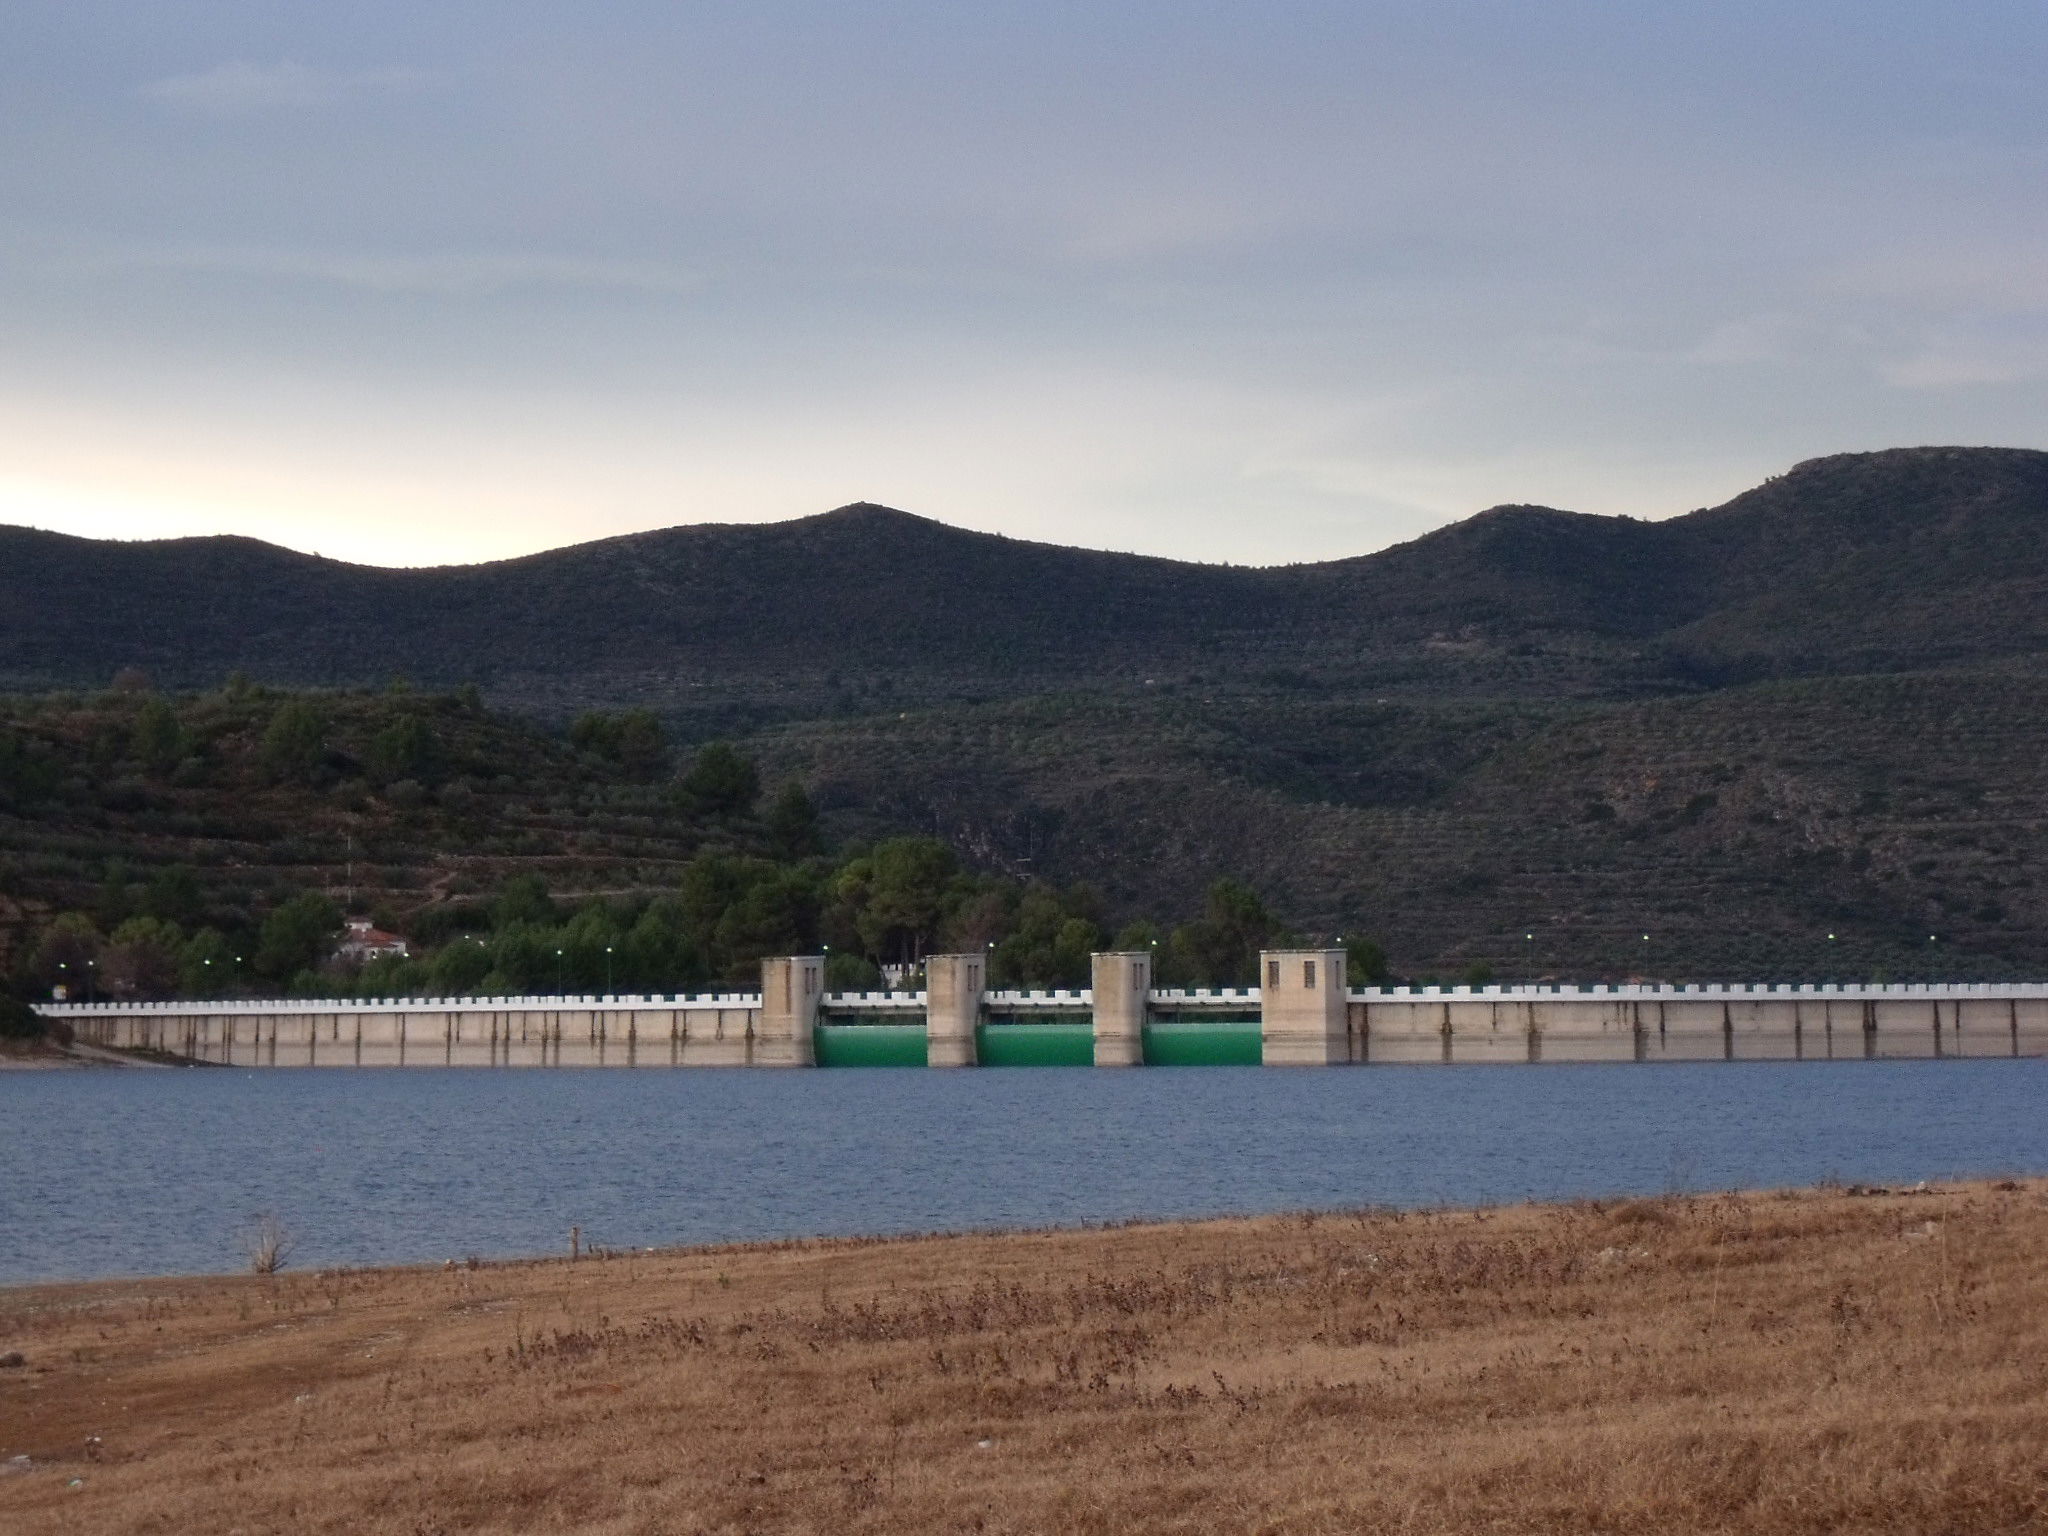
77 1055
825 1243
1802 1360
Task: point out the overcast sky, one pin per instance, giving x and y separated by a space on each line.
413 281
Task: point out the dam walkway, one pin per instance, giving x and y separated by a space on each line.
1304 1014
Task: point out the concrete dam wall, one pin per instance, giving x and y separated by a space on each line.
1304 1014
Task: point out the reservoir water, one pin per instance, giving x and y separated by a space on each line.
132 1172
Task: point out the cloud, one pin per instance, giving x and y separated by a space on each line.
1963 362
448 272
2002 279
1764 338
242 88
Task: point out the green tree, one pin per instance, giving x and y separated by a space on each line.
298 935
1365 963
522 899
710 883
27 773
656 955
67 952
526 952
1137 935
720 782
391 976
207 965
459 967
594 732
979 917
792 823
586 938
775 915
846 971
1221 947
172 894
157 740
639 745
141 959
18 1021
407 748
897 896
635 740
1049 946
115 903
734 910
295 742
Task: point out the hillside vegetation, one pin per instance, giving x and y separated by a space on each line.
1841 829
1796 736
1858 563
213 845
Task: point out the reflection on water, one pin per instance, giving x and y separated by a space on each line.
105 1173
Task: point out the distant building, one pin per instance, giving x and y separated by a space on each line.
365 941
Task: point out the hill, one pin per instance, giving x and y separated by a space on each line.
1817 828
1856 563
209 815
1795 735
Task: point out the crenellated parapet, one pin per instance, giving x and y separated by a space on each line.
1303 1014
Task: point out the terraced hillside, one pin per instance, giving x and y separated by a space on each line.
1738 829
211 815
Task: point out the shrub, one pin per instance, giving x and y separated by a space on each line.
18 1021
720 782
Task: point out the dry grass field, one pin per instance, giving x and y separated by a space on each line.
1823 1361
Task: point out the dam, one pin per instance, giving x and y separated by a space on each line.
1304 1013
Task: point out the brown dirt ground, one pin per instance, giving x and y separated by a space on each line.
1821 1361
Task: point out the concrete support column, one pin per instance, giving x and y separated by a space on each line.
1121 982
953 987
1303 1008
792 986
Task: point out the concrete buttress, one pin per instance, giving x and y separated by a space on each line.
792 986
953 986
1304 1008
1122 983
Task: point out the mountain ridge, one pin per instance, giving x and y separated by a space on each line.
1521 742
1846 563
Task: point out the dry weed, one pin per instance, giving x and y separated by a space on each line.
1763 1363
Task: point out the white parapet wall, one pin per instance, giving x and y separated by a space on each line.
632 1031
1697 1023
1307 1016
